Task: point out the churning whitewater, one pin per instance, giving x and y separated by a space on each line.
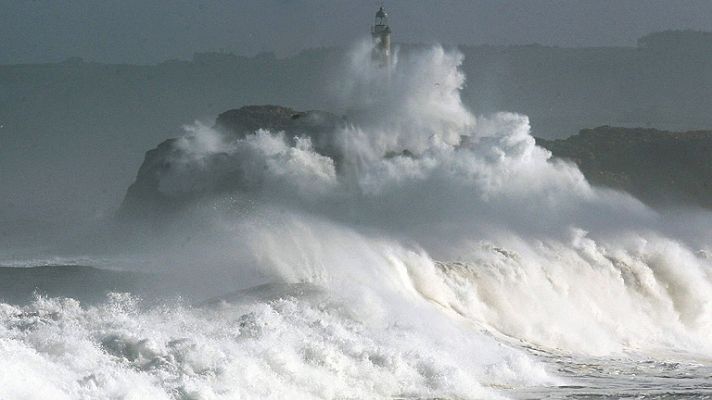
415 252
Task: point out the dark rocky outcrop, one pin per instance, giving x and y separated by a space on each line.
318 125
248 119
144 198
659 167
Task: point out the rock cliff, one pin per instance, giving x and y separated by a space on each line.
144 196
659 167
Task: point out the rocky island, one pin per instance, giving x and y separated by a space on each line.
659 167
144 197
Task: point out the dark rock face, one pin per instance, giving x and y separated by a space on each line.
248 119
659 167
318 125
144 197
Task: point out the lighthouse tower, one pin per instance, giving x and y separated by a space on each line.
381 34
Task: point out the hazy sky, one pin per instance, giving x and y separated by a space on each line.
147 31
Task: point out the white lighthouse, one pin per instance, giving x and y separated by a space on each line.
381 34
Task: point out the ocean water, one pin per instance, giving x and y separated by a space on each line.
472 266
634 376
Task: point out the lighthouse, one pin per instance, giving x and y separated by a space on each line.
381 34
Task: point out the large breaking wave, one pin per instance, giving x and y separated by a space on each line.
416 256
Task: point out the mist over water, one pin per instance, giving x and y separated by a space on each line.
418 251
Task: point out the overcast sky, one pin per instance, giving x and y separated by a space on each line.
148 31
